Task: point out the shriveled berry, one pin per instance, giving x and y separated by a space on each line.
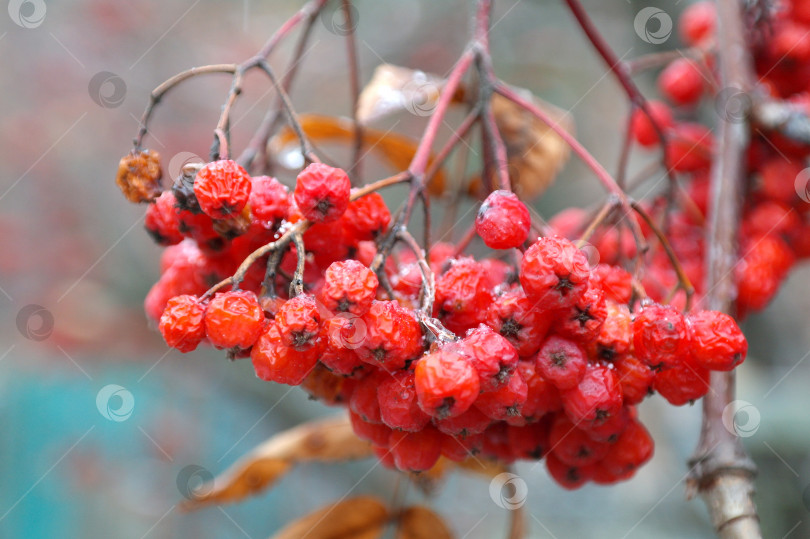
343 334
683 383
661 336
583 320
491 355
554 273
322 193
635 377
462 295
471 422
364 401
399 408
446 383
567 476
269 199
222 188
505 401
503 221
615 337
234 319
616 282
274 361
572 445
139 175
375 433
516 318
416 451
366 218
349 286
562 362
392 336
633 448
542 396
718 343
299 323
530 441
183 323
162 220
595 400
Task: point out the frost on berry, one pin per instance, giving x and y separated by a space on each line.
661 336
349 286
393 336
562 362
446 383
299 323
490 354
322 193
182 323
554 273
719 345
399 408
139 175
462 295
222 189
515 317
503 221
234 319
274 361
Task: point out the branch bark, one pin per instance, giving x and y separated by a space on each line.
721 471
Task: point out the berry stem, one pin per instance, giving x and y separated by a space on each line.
428 279
354 87
721 471
297 284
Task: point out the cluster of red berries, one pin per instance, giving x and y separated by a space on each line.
546 358
775 229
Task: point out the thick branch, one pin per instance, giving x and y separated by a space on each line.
722 473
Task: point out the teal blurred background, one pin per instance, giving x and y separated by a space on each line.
74 467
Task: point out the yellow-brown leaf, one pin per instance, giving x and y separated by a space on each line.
363 517
325 440
419 522
535 153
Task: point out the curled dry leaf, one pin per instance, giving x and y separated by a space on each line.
324 440
534 152
394 89
363 517
395 149
419 522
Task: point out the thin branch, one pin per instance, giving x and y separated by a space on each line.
354 83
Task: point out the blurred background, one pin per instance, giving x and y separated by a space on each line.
99 420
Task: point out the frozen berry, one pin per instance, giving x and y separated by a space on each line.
392 336
182 323
162 220
491 355
719 345
269 199
661 336
299 323
596 399
274 361
234 319
462 295
348 286
503 221
562 362
399 408
446 383
222 189
554 273
322 193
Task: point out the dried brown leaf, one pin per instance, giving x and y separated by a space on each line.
419 522
363 517
325 440
535 153
395 89
397 150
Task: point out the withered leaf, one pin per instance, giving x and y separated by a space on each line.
363 517
395 149
395 89
419 522
324 440
534 152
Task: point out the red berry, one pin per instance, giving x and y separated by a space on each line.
364 401
462 295
493 358
616 282
399 408
595 400
697 23
234 319
562 362
683 383
643 129
322 193
572 445
763 265
530 441
299 323
661 336
633 448
542 396
274 361
615 337
222 189
506 401
515 317
348 286
343 334
503 221
392 336
689 148
554 273
269 200
366 218
375 433
162 220
567 476
182 323
416 451
635 377
583 320
471 422
718 343
681 82
446 383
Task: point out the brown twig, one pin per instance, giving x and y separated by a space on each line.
721 471
354 83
